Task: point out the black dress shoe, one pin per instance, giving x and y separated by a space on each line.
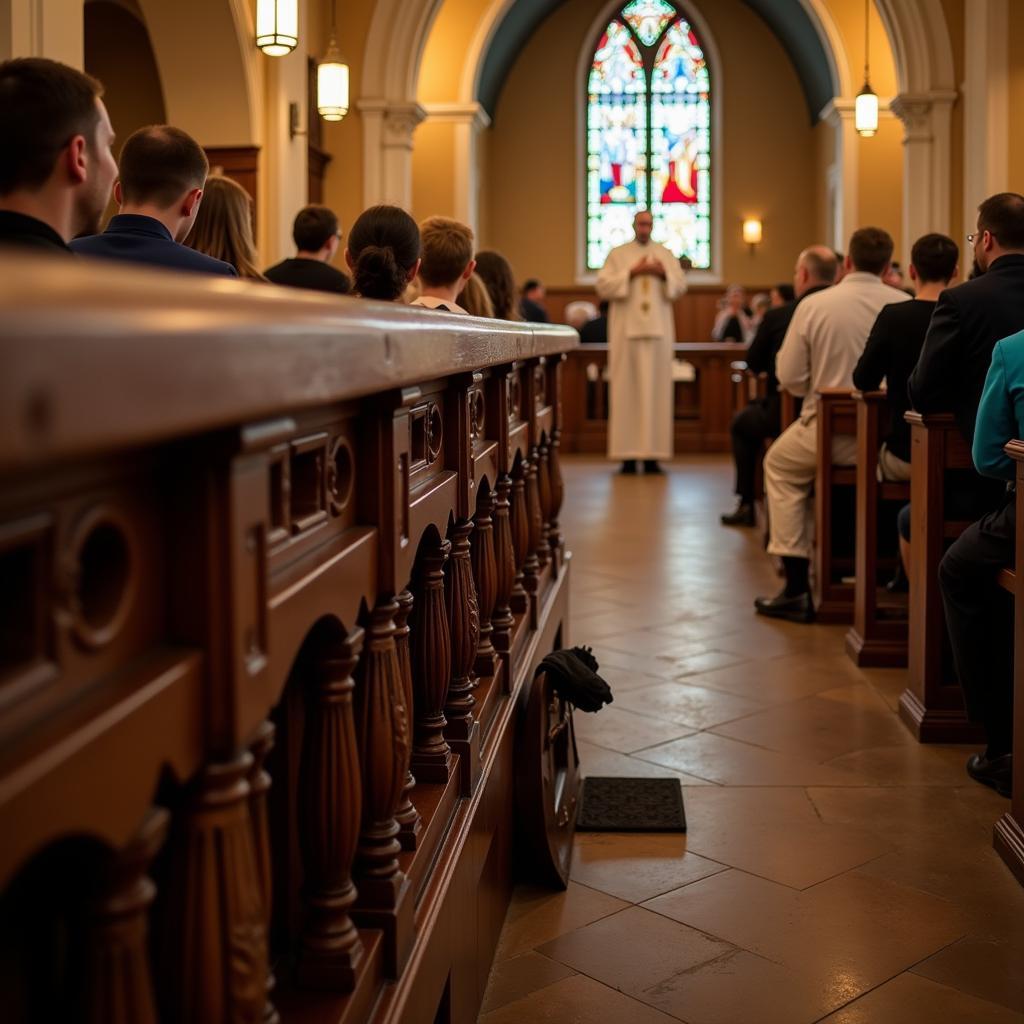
743 516
794 609
996 772
899 584
651 466
628 467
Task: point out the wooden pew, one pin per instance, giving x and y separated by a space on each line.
932 705
276 573
1008 835
833 552
878 636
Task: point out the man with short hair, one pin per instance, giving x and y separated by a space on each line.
317 236
751 427
446 263
531 303
159 188
56 167
823 343
640 280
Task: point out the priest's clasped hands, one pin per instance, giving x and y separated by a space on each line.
648 265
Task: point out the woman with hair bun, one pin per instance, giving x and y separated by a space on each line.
383 253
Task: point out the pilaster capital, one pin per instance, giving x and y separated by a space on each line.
472 114
400 121
917 110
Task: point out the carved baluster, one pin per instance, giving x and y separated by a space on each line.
407 816
557 490
217 966
259 787
505 562
117 986
485 571
431 664
534 523
544 495
519 518
464 623
330 804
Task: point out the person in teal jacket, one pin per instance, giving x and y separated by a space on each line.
979 613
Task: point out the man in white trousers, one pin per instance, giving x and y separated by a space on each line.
640 280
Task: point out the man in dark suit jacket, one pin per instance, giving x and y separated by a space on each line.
162 174
317 237
751 427
56 168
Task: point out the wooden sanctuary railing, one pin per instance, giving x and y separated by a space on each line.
276 571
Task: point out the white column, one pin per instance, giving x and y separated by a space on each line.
388 129
986 103
43 28
468 119
843 175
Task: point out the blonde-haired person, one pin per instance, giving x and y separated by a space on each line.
223 227
496 273
476 299
446 263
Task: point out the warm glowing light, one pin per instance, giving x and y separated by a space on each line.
866 112
332 96
277 26
752 231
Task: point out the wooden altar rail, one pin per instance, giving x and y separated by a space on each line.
275 571
703 406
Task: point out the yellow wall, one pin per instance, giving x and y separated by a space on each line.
954 12
880 180
1016 125
432 179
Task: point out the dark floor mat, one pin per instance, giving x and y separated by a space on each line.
631 805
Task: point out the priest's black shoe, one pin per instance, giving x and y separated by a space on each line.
743 516
628 467
996 772
796 609
651 466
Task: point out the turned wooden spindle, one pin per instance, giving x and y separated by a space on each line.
383 735
519 518
464 627
505 564
259 787
216 964
116 984
407 816
557 489
544 496
330 806
431 663
485 573
535 527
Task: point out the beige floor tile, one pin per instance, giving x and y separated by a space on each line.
709 660
519 976
910 999
622 680
775 680
990 970
697 707
625 731
907 764
595 760
536 915
645 664
576 1000
637 866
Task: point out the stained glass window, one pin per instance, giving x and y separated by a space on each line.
649 134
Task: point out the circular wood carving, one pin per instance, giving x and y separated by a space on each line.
341 475
435 433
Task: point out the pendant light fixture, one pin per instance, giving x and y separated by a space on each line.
865 113
277 26
332 94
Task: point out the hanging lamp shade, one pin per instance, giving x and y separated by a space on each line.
277 26
332 93
865 113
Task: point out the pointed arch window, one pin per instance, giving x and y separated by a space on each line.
649 133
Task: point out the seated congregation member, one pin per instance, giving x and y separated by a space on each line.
979 613
751 427
578 314
56 167
476 300
595 332
446 263
895 343
825 339
162 172
317 237
531 304
780 294
383 253
496 273
733 321
223 227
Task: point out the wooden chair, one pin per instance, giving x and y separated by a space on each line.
833 560
878 636
932 705
1008 836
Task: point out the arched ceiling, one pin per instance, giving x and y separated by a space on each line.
787 19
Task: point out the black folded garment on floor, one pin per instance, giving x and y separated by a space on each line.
574 678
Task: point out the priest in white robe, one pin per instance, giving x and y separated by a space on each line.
640 280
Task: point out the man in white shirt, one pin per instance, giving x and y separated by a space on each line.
822 346
446 263
640 280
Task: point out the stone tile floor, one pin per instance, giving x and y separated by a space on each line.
834 870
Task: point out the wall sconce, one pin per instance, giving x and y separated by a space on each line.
277 26
752 232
